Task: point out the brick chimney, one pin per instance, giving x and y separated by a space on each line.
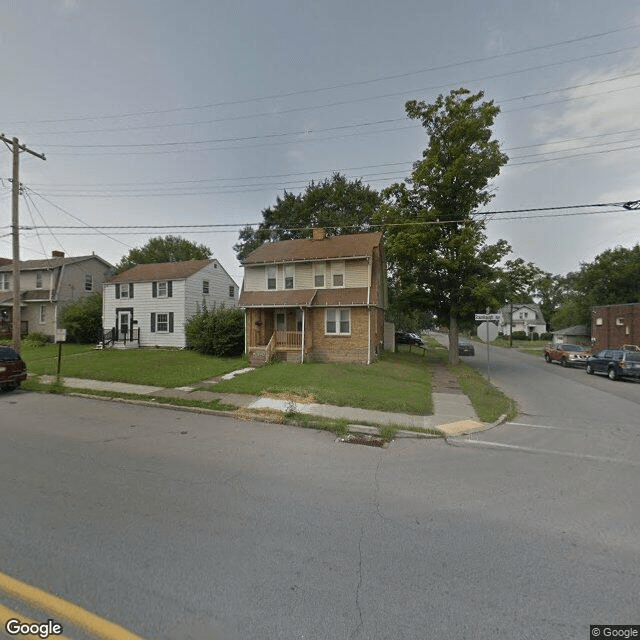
57 254
319 233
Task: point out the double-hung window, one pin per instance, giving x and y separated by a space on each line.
337 274
5 281
338 322
271 277
88 282
205 286
162 289
162 322
318 275
288 276
38 279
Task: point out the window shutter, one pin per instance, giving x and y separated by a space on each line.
131 290
154 289
171 322
170 289
117 291
153 323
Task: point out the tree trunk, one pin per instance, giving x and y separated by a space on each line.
454 358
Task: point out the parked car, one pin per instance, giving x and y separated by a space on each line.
616 363
404 337
466 348
13 370
566 354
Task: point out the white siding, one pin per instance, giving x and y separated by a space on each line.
187 297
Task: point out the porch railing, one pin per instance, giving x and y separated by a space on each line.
288 339
6 328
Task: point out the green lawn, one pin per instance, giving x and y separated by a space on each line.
397 382
159 367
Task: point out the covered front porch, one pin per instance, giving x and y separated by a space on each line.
280 333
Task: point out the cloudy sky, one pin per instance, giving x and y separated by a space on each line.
157 114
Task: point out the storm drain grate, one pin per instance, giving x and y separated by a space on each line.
359 438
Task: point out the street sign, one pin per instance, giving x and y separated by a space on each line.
491 317
61 335
487 331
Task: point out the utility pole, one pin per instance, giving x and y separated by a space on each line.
16 319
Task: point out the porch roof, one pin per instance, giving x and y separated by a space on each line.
305 298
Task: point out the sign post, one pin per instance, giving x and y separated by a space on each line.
61 336
488 332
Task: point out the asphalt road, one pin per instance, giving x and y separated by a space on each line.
177 526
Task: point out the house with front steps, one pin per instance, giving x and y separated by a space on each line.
321 298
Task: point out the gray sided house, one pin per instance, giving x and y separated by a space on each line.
150 304
578 334
46 287
321 298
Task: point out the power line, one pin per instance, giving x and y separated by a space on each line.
341 85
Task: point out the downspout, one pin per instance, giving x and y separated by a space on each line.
55 307
245 333
369 313
303 323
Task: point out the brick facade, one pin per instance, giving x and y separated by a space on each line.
615 325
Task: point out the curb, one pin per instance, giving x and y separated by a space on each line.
452 438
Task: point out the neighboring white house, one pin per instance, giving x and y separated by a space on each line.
521 317
151 303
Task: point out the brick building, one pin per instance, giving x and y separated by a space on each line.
615 325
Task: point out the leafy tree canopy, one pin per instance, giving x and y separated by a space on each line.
339 205
612 278
164 249
437 252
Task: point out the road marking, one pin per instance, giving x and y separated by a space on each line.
7 614
543 426
65 610
568 454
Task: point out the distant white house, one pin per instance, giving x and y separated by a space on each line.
525 317
150 304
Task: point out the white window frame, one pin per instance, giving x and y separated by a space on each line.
88 282
271 273
162 289
335 316
42 314
38 279
160 322
289 276
337 269
232 291
5 281
124 290
319 271
205 287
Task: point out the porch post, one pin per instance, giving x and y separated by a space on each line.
303 321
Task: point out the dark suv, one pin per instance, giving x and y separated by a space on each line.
616 363
13 370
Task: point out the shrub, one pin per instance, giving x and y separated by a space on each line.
219 332
519 335
83 319
37 339
546 336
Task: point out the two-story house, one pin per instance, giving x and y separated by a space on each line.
150 304
46 286
321 298
525 317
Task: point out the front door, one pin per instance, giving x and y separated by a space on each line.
124 324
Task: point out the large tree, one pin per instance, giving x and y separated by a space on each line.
435 247
337 204
164 249
612 278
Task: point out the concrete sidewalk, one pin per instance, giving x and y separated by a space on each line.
453 412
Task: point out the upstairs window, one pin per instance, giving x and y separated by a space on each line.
162 289
337 274
288 276
232 291
205 286
271 277
318 275
38 279
5 281
88 282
